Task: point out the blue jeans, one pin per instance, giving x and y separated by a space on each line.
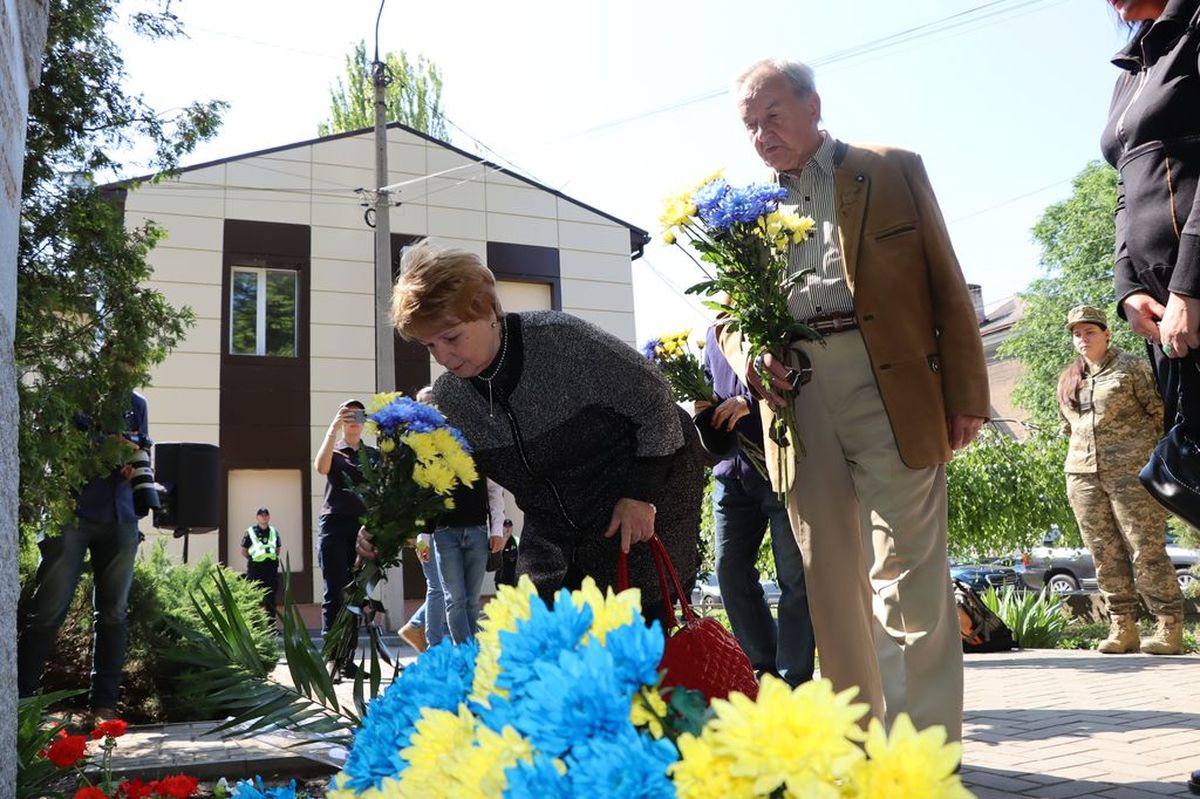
114 548
432 613
742 510
461 555
335 549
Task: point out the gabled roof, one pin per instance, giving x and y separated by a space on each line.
638 238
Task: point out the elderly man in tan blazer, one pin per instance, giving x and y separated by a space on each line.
898 384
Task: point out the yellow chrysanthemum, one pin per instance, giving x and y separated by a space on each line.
387 444
788 735
436 476
609 610
452 755
668 238
702 773
462 464
510 605
423 446
648 710
677 210
802 228
379 401
907 764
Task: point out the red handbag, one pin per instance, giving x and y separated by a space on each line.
700 654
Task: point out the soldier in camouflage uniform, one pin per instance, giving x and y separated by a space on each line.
1112 411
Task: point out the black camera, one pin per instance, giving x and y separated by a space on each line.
145 489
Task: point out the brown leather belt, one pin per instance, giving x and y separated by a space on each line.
832 323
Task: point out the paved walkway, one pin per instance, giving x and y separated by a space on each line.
1058 724
1050 724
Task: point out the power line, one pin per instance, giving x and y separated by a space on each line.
986 11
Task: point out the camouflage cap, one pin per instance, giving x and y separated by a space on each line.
1086 313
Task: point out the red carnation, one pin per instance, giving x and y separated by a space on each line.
67 750
113 728
178 786
135 789
90 792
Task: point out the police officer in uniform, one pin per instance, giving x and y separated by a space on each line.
1113 413
260 548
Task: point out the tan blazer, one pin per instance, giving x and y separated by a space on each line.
911 301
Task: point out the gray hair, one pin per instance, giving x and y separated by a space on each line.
799 75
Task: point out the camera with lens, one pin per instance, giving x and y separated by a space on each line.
145 489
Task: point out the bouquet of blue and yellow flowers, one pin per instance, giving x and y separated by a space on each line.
566 702
419 461
744 236
673 356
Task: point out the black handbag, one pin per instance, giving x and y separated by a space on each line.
1172 475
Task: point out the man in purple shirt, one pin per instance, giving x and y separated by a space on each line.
743 507
107 527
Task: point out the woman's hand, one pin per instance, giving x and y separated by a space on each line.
635 521
729 412
363 546
1143 313
496 543
1180 326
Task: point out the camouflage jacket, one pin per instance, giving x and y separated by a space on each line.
1119 418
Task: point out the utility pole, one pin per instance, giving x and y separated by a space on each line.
385 363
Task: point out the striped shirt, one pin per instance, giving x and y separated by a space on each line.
811 192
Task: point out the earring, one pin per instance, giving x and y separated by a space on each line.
493 324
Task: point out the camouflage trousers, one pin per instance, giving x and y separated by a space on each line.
1125 530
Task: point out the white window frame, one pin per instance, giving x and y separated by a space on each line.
260 310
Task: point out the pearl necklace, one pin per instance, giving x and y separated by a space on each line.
499 362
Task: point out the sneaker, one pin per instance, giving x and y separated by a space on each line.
414 637
349 670
1194 783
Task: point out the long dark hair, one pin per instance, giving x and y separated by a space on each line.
1068 383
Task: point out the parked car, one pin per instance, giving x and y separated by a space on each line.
1064 569
982 576
707 593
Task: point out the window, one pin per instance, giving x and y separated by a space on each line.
262 312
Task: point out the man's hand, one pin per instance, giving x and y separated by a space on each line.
127 471
729 412
634 520
778 373
1143 313
1180 325
963 429
496 543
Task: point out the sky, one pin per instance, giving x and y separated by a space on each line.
619 104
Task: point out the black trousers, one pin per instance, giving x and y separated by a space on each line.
1179 384
266 573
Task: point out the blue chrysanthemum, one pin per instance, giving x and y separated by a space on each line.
571 700
720 205
636 651
441 678
540 779
628 765
650 348
247 789
403 412
540 638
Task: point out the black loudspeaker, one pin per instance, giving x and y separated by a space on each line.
190 475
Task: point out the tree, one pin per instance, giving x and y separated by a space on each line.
1076 238
88 330
1004 494
414 95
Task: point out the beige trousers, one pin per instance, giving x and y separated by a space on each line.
873 535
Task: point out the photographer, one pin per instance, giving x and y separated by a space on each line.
106 525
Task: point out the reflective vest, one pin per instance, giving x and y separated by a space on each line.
262 549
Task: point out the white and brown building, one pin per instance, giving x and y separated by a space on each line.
272 252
